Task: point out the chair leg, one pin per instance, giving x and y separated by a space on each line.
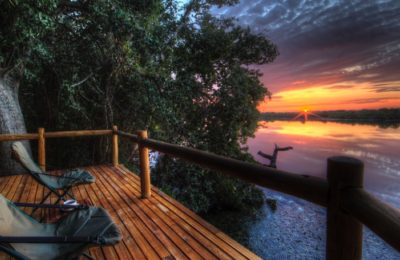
62 195
88 256
41 202
71 196
45 197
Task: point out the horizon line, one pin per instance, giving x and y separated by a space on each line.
297 111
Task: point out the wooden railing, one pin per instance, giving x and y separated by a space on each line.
41 136
348 204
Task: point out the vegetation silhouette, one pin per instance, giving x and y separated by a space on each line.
385 117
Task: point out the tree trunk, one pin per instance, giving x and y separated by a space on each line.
11 122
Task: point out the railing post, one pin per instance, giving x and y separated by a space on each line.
144 166
41 149
344 232
115 160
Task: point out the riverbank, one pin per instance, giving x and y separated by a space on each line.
296 230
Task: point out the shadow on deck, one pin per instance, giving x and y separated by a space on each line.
154 228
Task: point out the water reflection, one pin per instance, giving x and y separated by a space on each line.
315 141
328 130
297 229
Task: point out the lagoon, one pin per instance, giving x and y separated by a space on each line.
296 230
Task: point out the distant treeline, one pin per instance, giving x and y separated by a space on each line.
365 115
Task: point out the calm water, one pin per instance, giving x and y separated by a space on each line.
297 229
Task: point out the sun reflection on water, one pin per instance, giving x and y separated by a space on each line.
333 130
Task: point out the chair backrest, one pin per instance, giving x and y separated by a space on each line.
20 154
15 222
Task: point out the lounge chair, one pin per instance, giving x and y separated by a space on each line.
23 237
54 183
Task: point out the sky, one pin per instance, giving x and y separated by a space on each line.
333 54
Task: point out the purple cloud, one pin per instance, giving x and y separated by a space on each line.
325 42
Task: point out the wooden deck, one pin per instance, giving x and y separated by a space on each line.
154 228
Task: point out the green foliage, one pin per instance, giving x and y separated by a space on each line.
204 190
182 74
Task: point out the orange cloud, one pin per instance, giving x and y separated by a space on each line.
333 97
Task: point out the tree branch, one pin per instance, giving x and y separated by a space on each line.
82 81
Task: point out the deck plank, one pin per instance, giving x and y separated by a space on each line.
155 228
186 216
198 241
179 239
103 199
145 227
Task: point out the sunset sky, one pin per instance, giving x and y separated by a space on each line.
333 54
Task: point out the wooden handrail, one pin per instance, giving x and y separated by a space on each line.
57 134
42 135
132 137
306 187
380 217
79 133
18 137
